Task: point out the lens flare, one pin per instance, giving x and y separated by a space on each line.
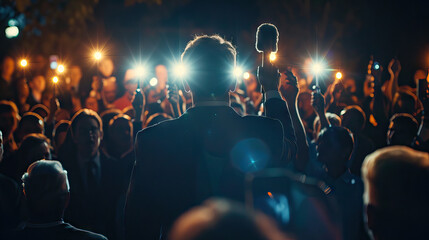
141 71
61 68
98 55
153 82
180 70
55 79
273 56
338 75
24 63
238 72
246 75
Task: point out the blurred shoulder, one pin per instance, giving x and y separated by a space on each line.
82 234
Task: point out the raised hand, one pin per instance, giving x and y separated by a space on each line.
269 77
289 87
138 104
318 102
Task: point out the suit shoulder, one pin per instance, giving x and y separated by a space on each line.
84 234
158 128
262 120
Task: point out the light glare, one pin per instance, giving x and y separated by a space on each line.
339 75
60 68
55 79
318 68
238 72
246 75
11 32
273 56
98 55
153 82
180 70
23 63
140 70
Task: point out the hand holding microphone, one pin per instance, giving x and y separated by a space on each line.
267 37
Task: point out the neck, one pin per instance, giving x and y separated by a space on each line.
37 95
201 100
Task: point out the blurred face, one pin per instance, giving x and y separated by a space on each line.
38 84
8 66
91 103
350 85
42 151
87 136
75 75
109 90
162 76
8 124
106 67
23 90
120 133
251 84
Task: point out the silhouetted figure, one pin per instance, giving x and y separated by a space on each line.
402 130
396 193
9 199
6 78
335 146
206 151
8 124
220 219
353 118
29 123
93 176
34 147
46 191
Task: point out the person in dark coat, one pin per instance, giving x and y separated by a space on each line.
208 150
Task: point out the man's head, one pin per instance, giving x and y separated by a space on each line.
212 60
334 148
121 133
30 123
37 83
402 129
46 189
396 193
353 118
75 75
87 131
333 118
34 146
220 219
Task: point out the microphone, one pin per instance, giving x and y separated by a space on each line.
267 37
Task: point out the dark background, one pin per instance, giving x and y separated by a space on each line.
346 32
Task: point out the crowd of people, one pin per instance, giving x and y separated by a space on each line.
270 156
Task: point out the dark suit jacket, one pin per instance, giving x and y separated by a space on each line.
204 153
93 211
63 231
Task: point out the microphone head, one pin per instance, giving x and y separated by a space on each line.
267 37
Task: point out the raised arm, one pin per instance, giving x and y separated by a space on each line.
276 108
289 91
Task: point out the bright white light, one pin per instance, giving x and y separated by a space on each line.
98 55
153 82
12 32
53 65
246 75
273 56
141 71
55 79
318 67
61 68
339 75
24 63
238 72
180 70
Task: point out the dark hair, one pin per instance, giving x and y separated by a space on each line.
338 138
46 189
85 113
212 59
8 106
25 155
353 118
